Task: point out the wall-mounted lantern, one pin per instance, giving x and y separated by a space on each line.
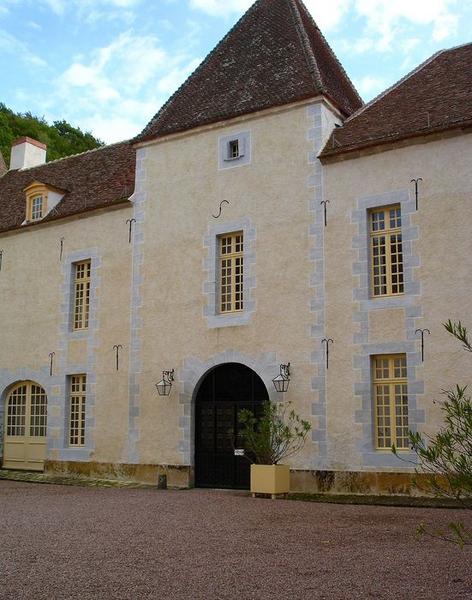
282 381
165 385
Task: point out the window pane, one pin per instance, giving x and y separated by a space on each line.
16 412
231 273
82 295
38 414
78 385
391 401
386 252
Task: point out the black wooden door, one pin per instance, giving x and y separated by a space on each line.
225 391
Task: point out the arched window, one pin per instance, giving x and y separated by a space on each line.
25 427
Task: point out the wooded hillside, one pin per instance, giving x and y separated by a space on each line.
61 138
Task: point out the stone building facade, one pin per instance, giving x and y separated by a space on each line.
264 215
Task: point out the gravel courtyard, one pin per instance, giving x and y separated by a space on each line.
60 542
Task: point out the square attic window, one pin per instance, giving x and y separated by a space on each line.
233 149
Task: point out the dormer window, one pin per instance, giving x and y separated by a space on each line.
40 200
36 208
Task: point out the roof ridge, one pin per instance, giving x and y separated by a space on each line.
452 48
273 55
212 52
306 47
396 84
328 46
56 160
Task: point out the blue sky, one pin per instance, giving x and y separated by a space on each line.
108 65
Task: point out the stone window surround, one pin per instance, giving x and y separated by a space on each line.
60 441
410 301
193 372
213 317
8 379
244 158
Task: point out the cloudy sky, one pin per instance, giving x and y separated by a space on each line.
108 65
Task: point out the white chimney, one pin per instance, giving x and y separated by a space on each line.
26 152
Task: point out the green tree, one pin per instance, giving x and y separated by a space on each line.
277 434
446 458
61 138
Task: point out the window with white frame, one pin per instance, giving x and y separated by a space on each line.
36 208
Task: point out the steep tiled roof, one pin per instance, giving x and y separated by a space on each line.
273 56
435 97
3 167
94 179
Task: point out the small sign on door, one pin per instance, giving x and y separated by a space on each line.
239 452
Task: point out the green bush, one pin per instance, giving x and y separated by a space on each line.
446 458
278 434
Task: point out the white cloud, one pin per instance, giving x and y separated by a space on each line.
328 14
34 25
369 86
57 6
91 8
170 82
445 26
9 44
220 8
386 19
114 88
383 18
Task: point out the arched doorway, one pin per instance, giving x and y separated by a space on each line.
224 391
25 427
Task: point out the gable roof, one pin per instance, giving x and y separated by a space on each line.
93 179
274 55
3 167
435 97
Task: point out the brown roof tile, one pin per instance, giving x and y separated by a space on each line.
436 96
273 56
93 179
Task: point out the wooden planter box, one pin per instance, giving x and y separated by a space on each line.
270 479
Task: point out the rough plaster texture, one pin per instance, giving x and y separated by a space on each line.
304 282
244 139
367 344
268 197
211 266
81 346
35 303
436 280
192 374
136 333
322 122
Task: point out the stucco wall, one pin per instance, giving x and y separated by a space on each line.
35 303
271 197
437 248
304 282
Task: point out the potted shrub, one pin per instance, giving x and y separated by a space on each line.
276 435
